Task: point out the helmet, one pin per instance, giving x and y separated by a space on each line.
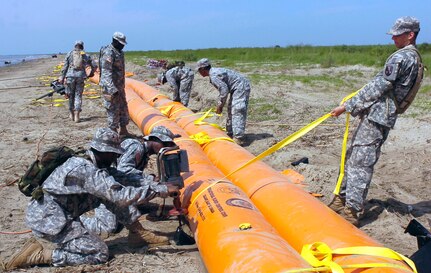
106 140
163 134
203 63
120 37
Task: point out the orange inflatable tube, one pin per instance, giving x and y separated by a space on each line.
217 212
299 217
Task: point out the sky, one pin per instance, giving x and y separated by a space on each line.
52 26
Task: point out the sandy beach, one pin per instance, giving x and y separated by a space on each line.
400 190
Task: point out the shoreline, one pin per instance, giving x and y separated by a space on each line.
11 60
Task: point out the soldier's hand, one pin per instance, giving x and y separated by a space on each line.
155 178
107 97
173 191
219 110
338 110
66 96
61 80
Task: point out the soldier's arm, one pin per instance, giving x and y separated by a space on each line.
172 80
220 84
106 64
100 184
90 64
65 67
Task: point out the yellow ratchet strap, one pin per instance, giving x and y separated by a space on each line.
167 110
203 138
321 255
207 114
344 145
298 134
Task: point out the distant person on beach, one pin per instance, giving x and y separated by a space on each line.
377 105
74 73
237 87
112 79
180 78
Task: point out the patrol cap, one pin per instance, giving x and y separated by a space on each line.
203 63
163 134
106 140
79 42
404 24
120 37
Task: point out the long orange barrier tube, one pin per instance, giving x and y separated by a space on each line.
300 218
216 212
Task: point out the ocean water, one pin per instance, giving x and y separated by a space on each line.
14 59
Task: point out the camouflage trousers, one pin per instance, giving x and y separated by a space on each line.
184 91
76 245
237 111
105 221
117 110
361 157
74 89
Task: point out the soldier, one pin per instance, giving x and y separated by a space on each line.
180 78
75 187
130 166
74 72
112 79
377 105
229 82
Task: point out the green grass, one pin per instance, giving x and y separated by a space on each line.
264 110
311 80
291 56
425 89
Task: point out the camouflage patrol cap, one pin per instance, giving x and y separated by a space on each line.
203 63
163 134
106 140
120 37
79 42
404 24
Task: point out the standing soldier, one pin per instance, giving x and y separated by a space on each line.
74 71
377 105
112 79
229 82
180 78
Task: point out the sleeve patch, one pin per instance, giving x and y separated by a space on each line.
391 71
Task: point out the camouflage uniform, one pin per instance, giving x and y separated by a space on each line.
129 172
75 78
75 188
105 220
375 107
238 86
135 157
181 80
112 79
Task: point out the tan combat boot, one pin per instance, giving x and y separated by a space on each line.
351 215
72 115
31 254
77 117
139 237
337 204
